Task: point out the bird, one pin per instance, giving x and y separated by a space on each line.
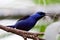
28 22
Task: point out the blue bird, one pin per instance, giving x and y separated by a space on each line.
28 22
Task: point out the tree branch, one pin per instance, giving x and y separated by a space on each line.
22 33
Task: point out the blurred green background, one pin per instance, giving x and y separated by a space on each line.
46 1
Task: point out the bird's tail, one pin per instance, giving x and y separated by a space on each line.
11 26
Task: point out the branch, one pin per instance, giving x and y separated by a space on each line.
22 33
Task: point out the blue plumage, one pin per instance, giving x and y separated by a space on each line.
28 22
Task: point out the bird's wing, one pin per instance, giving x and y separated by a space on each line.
23 18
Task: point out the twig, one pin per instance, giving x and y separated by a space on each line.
22 33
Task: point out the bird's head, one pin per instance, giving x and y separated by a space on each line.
38 15
41 14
